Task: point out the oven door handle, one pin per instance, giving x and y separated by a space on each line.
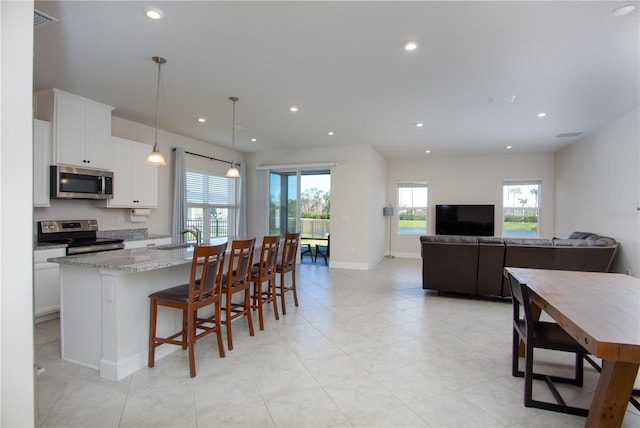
94 248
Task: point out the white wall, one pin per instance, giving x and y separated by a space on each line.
598 188
159 222
378 224
16 260
470 180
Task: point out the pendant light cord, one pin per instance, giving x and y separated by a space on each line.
233 131
157 96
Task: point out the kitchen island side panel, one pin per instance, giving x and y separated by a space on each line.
105 316
81 315
125 315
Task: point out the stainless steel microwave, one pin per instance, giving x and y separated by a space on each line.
69 182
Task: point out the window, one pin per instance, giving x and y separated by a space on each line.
211 205
520 205
412 208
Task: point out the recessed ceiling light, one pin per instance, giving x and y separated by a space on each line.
410 46
153 13
331 133
419 125
508 147
202 120
542 114
293 109
253 140
427 151
623 10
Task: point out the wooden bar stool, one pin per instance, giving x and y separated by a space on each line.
265 271
238 280
288 264
202 290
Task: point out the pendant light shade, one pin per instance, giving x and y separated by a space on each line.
155 157
233 172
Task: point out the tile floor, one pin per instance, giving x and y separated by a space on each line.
364 349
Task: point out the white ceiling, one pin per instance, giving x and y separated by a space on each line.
343 64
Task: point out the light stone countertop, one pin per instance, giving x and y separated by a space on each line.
47 246
133 260
128 235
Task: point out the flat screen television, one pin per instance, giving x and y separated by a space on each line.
468 220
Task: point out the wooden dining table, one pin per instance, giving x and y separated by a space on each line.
601 311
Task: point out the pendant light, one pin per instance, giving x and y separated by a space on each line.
233 172
155 157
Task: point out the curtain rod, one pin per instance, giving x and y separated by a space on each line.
298 166
207 157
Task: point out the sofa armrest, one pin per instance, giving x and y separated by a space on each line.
449 263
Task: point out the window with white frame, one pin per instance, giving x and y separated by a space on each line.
413 208
211 204
521 207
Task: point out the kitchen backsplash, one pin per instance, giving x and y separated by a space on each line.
108 218
126 234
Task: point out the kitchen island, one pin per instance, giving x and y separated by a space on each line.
104 313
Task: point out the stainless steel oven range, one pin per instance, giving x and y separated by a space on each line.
79 235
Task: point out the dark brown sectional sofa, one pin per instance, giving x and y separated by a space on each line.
474 265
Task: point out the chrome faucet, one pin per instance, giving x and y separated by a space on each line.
195 232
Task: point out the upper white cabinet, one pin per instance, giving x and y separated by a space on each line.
135 183
81 128
41 150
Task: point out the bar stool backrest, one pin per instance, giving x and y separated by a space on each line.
290 250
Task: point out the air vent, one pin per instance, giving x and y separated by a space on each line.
41 20
569 134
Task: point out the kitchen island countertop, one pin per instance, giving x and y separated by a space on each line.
133 260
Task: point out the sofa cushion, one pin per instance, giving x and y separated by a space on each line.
490 240
580 235
490 265
449 239
529 242
601 242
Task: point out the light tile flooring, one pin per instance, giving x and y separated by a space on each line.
363 349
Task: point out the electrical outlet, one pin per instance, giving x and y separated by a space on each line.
120 219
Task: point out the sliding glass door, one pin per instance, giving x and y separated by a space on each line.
300 202
283 202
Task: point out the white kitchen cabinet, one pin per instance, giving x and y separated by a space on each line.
46 283
41 156
146 243
135 183
81 128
